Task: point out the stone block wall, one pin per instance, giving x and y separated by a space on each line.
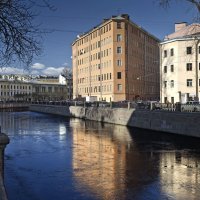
51 109
171 122
183 123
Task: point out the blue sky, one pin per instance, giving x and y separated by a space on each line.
77 16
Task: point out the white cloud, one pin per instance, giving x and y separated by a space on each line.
36 69
35 72
52 71
38 66
65 64
12 70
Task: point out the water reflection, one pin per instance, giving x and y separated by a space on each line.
117 165
99 158
53 158
180 174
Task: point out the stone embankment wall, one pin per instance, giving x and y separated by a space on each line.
110 115
4 140
51 109
182 123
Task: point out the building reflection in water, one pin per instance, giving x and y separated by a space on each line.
103 157
111 163
180 174
98 162
8 122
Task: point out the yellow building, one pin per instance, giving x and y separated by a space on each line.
116 60
15 87
15 90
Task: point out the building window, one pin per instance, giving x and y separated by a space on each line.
189 66
171 52
119 87
189 50
119 62
119 50
199 49
43 89
99 55
165 84
172 83
119 75
109 27
189 82
172 99
119 25
119 37
50 89
172 68
165 99
165 53
165 69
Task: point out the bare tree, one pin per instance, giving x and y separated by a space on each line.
194 4
166 3
20 38
67 73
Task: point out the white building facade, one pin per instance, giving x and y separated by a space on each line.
24 88
180 64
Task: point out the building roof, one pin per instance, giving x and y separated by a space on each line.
190 30
119 17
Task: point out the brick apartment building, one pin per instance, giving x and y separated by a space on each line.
116 60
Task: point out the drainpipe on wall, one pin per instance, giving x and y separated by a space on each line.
161 100
76 94
196 67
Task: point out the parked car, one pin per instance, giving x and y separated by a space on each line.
192 103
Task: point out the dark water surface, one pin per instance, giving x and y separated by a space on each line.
56 158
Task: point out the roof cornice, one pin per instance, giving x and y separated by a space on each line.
181 39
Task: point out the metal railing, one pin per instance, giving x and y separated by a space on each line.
153 106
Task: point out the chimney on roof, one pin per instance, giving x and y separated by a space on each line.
125 16
104 20
179 26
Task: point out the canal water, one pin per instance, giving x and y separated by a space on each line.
56 158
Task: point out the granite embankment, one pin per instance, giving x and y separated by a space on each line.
183 123
4 140
51 109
